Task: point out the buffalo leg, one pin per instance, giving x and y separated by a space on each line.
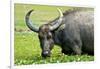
77 50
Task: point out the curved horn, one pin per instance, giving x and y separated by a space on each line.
29 23
58 22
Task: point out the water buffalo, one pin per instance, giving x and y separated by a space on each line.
72 30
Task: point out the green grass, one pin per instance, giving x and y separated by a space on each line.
26 44
27 51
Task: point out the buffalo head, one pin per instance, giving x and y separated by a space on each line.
45 32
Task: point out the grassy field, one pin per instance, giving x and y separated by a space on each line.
26 43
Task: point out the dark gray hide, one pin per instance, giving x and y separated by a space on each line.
78 34
73 32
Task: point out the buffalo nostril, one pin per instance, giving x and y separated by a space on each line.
45 54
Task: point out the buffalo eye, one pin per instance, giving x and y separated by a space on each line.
41 36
